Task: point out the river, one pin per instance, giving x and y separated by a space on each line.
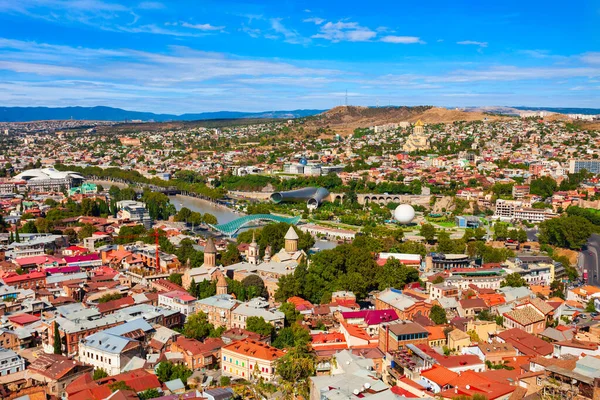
222 213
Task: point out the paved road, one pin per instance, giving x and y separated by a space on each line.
590 260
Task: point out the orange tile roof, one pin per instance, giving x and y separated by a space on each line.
492 299
540 289
439 374
357 332
252 348
436 332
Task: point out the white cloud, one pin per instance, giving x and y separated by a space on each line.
401 39
290 35
345 31
314 20
202 27
591 58
473 43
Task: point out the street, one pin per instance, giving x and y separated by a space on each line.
589 260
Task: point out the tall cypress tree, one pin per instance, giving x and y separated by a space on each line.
17 238
57 344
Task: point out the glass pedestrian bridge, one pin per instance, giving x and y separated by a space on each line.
232 227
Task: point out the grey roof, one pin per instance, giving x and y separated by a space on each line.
225 301
130 326
220 393
134 363
57 278
175 384
76 311
588 366
396 298
106 342
254 309
557 335
6 354
512 294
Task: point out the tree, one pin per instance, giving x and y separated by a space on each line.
570 231
231 255
163 371
513 280
590 306
254 286
438 279
183 214
167 371
225 380
557 289
175 278
394 274
438 315
295 368
119 385
543 186
109 297
259 325
57 340
294 335
42 225
86 231
209 219
99 373
197 326
204 289
485 315
29 227
428 232
149 394
291 314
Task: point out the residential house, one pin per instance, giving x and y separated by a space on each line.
197 354
56 371
249 359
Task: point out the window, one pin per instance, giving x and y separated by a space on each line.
224 358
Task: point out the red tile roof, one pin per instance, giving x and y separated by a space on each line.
23 319
526 343
25 277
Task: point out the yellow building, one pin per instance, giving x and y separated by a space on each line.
458 339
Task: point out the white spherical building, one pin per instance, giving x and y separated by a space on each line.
404 213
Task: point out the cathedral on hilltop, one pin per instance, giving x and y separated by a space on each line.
417 140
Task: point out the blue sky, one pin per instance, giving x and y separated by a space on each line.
182 56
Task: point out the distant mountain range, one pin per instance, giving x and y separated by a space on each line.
100 113
24 114
562 110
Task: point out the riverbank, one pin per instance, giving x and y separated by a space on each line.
223 213
108 184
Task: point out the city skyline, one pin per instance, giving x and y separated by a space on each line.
177 58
